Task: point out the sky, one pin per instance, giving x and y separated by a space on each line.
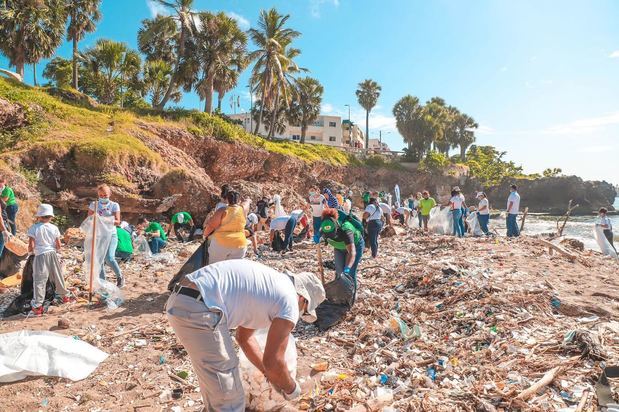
540 77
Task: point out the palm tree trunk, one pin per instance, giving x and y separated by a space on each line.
463 153
34 72
367 129
75 78
177 65
220 98
208 98
19 69
262 103
303 132
275 116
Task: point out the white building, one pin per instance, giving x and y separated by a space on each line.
325 130
376 144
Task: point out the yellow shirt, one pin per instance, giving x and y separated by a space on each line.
231 232
340 199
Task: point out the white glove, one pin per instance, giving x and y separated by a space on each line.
295 394
7 236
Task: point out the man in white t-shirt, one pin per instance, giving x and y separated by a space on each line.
386 209
246 296
513 207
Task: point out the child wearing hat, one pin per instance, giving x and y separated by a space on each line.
43 242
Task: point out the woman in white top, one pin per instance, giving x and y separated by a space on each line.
455 205
105 208
483 212
373 215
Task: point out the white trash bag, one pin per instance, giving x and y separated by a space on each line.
603 243
95 250
473 222
261 336
441 221
42 353
279 210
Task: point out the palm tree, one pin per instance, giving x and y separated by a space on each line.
305 107
436 117
30 30
464 137
184 19
409 115
220 45
83 18
114 66
226 79
367 95
157 39
157 76
59 71
273 59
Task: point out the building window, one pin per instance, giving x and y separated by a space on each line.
312 137
332 138
332 124
296 137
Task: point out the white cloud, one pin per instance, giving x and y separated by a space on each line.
157 8
614 55
242 21
585 126
316 5
326 108
596 149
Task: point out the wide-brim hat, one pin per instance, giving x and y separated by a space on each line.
310 287
45 209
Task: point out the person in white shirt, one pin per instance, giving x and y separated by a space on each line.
386 209
455 205
483 212
243 295
607 226
287 225
317 203
43 242
513 206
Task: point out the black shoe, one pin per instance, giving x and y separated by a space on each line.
120 282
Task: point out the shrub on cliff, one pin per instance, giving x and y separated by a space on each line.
433 161
486 164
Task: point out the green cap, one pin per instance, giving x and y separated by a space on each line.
327 226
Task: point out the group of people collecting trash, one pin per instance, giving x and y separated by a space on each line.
219 290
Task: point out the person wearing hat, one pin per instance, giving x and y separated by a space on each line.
347 242
43 242
244 295
483 212
251 225
182 220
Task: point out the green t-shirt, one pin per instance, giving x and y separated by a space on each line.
156 227
124 241
186 217
426 205
346 234
366 197
8 192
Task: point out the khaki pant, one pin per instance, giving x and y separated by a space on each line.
262 224
46 266
206 338
218 253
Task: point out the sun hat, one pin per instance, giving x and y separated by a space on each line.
309 286
480 194
45 209
456 188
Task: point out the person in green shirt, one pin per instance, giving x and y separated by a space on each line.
8 197
366 199
182 220
124 250
155 234
425 205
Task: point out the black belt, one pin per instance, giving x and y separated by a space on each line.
192 293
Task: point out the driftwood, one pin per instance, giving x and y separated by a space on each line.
540 384
524 217
321 268
552 247
565 218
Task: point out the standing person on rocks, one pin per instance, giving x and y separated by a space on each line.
347 243
463 211
317 203
44 242
225 230
331 200
8 197
155 234
513 207
262 211
483 212
105 207
417 207
243 295
426 204
182 220
373 216
606 225
455 205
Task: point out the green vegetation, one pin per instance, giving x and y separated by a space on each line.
434 161
116 179
31 176
378 161
486 164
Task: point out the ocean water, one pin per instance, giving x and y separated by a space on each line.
577 227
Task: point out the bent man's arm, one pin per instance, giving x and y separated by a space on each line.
248 344
274 359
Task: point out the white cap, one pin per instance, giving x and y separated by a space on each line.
252 218
45 209
456 188
310 287
479 194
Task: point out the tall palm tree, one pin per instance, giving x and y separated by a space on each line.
305 107
157 75
465 136
367 95
30 30
157 39
436 116
226 79
220 44
409 114
184 18
273 58
114 66
59 71
83 18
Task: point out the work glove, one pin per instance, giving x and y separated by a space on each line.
6 235
295 394
347 270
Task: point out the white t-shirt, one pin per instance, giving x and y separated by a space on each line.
297 213
375 212
605 220
482 203
317 202
248 293
44 235
105 209
457 202
402 210
252 219
514 197
385 208
279 223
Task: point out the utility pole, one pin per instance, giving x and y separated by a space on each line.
251 108
349 126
